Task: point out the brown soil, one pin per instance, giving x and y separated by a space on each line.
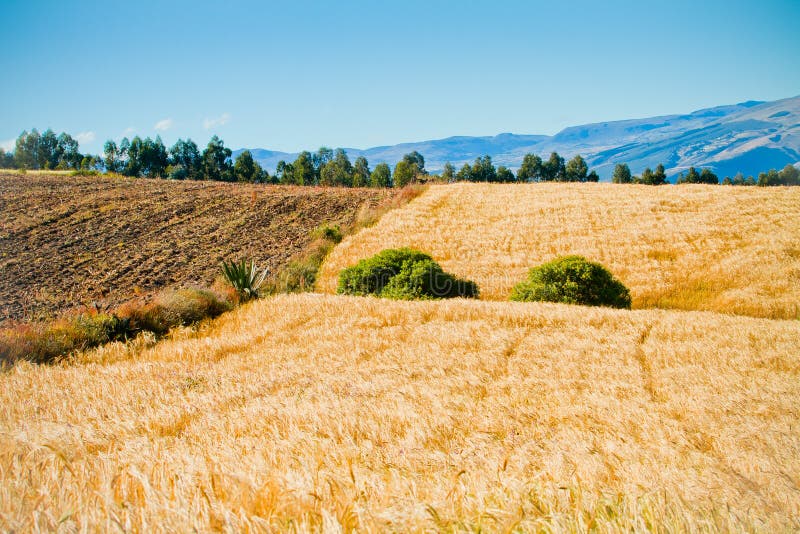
68 241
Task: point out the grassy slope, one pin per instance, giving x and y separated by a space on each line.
317 411
733 250
68 241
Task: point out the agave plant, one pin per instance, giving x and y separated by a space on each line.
245 277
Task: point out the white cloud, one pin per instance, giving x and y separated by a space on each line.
9 145
128 131
218 121
163 125
85 137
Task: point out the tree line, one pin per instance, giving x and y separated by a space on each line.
789 175
150 158
46 151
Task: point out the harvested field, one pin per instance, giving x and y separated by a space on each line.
68 241
307 412
692 247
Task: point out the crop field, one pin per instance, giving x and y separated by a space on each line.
724 249
319 412
313 412
69 241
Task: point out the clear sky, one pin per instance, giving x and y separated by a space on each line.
296 75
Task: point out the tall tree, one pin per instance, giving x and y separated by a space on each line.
186 160
464 174
692 176
592 177
48 154
504 175
448 173
111 157
576 169
483 170
553 169
68 153
381 176
647 177
246 169
660 175
415 158
303 170
622 174
6 159
789 175
404 173
284 173
708 177
26 152
319 159
338 171
531 169
361 172
216 161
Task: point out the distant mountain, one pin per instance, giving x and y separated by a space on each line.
749 137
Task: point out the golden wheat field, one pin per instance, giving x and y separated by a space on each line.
329 413
726 249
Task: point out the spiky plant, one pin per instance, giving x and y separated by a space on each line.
245 277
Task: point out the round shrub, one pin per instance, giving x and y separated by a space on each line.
404 274
573 280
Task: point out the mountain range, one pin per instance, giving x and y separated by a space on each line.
749 137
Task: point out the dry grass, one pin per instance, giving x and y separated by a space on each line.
307 412
732 250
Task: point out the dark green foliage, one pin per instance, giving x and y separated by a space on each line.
185 161
622 174
576 169
46 151
553 170
404 173
246 169
483 170
426 280
403 274
245 277
216 161
573 280
361 174
338 171
531 169
6 159
693 177
504 175
417 160
381 176
448 173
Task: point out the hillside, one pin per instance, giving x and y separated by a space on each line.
70 241
731 250
318 413
750 137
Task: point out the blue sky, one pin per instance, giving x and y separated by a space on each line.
297 75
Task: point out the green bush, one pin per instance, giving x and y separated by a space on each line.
573 280
404 274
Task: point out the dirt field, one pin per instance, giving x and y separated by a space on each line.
694 247
325 413
72 241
